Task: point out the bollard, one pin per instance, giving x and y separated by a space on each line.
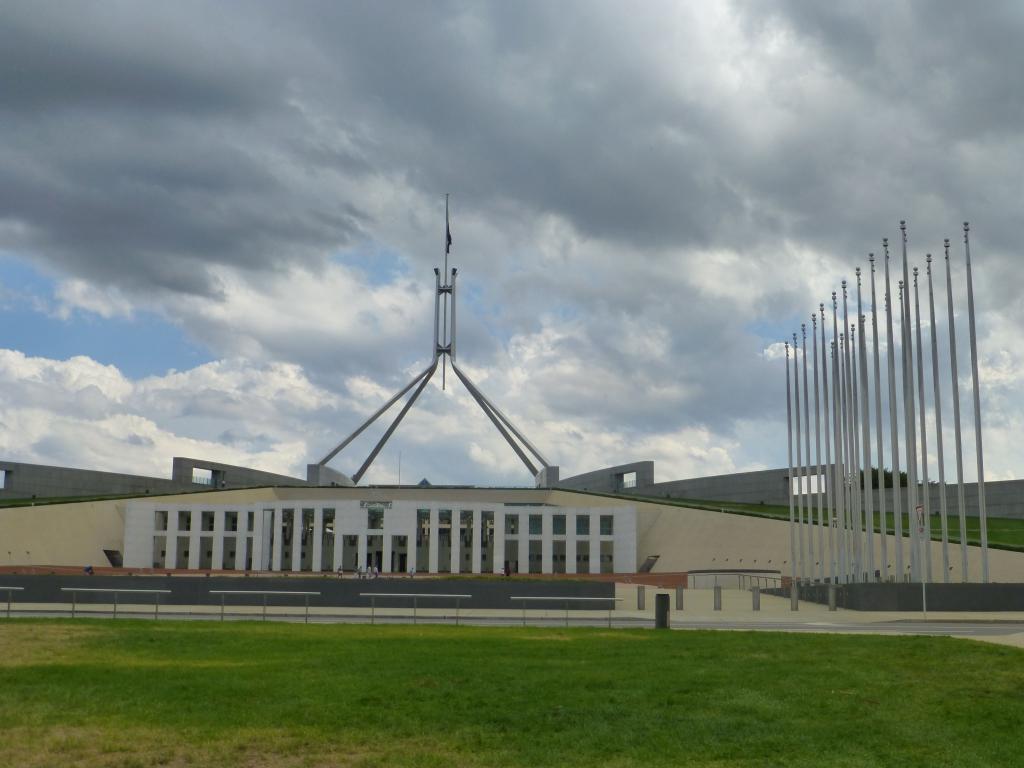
640 604
718 597
679 597
794 595
755 593
831 597
661 602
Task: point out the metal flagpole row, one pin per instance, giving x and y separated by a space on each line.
845 483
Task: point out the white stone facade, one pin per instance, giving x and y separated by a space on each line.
427 535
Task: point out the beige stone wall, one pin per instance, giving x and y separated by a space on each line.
684 539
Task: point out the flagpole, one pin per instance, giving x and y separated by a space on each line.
955 380
882 520
858 495
939 437
789 447
851 437
869 507
838 389
447 245
817 450
829 467
893 421
982 516
926 535
908 396
799 462
911 438
845 433
808 509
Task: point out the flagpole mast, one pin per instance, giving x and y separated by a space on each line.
858 495
882 520
955 380
939 438
869 507
817 450
839 389
893 421
447 246
982 516
908 397
808 507
789 450
851 436
829 467
926 535
799 462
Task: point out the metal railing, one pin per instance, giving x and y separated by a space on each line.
566 601
224 592
10 591
415 598
75 590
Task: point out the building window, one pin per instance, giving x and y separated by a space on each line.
202 476
582 525
511 525
607 528
629 480
230 521
375 518
3 478
160 520
536 526
558 524
251 515
184 521
207 521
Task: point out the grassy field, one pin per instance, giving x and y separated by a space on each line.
1003 532
96 693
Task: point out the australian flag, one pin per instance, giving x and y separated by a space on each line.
447 228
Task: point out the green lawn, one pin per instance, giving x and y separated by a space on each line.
134 693
1003 532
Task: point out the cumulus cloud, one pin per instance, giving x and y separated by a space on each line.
646 201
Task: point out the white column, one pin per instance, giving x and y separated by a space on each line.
595 543
171 550
242 540
570 541
385 556
546 542
456 540
275 555
499 542
217 562
193 539
432 542
339 540
524 542
361 552
318 538
477 538
296 540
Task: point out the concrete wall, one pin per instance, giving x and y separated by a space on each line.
28 481
769 486
227 475
1003 498
611 479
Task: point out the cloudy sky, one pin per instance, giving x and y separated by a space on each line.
219 221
